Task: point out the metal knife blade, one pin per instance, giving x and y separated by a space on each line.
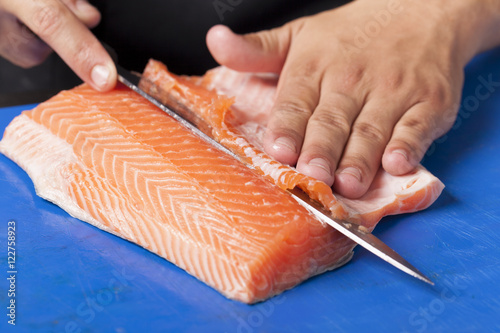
351 230
354 232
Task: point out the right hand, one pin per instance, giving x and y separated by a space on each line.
343 108
30 30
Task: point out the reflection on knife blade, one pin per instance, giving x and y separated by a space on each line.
183 115
354 232
165 98
194 123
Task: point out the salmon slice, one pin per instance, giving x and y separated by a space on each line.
117 162
237 106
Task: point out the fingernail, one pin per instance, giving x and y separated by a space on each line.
320 163
353 172
401 152
284 143
100 75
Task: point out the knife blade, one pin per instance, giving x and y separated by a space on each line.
189 120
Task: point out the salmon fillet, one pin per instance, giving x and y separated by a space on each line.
117 162
237 106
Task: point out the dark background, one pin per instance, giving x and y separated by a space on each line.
172 31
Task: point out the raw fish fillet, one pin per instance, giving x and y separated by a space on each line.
239 123
117 162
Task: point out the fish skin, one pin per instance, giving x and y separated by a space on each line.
117 162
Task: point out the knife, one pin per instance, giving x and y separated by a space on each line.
351 230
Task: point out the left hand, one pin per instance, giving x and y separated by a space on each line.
357 90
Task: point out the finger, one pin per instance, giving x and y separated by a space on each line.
18 45
297 93
84 11
263 51
363 153
413 134
296 98
54 23
326 134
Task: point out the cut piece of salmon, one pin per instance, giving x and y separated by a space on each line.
117 162
237 106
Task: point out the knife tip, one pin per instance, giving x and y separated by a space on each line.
424 278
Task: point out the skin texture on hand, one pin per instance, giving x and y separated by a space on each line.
368 84
30 30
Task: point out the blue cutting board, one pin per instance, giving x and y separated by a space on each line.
72 277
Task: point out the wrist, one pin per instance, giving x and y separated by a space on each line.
491 28
476 22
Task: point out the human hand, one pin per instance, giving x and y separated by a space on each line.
29 30
368 84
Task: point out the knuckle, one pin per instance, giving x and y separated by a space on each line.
47 20
333 121
416 124
304 71
293 109
360 162
437 90
351 78
270 40
416 150
441 97
303 79
83 55
394 80
263 40
370 132
417 134
424 124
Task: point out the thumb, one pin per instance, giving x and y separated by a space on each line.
263 51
